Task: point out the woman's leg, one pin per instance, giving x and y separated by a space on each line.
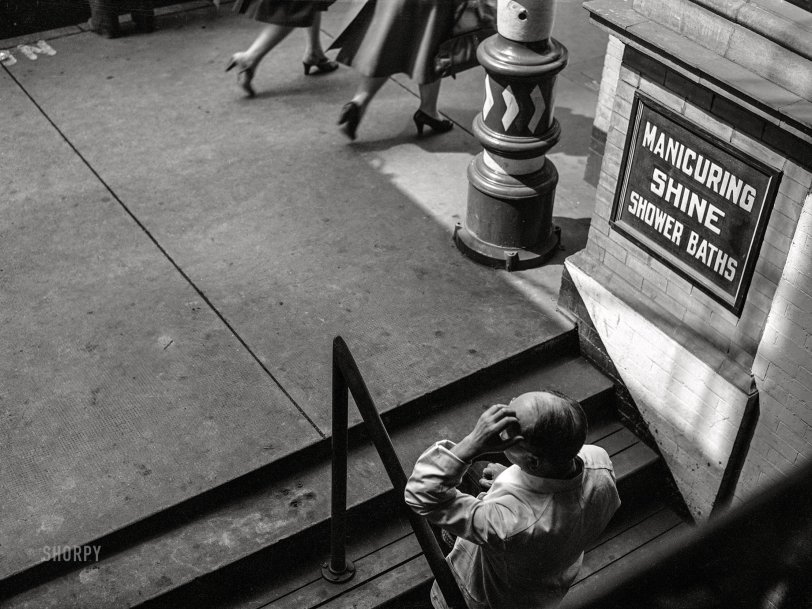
314 53
429 94
369 87
268 38
352 112
428 113
247 61
313 48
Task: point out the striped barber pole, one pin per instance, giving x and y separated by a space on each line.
518 109
512 183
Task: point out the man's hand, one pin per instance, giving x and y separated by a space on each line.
489 474
487 436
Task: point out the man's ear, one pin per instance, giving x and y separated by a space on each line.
533 460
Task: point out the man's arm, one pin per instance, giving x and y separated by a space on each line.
431 490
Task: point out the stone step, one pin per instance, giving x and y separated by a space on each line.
273 515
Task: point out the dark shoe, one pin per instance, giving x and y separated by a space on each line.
350 118
438 126
322 65
244 76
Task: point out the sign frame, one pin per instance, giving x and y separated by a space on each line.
735 302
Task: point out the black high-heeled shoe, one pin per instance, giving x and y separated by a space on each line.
437 125
244 76
322 65
350 118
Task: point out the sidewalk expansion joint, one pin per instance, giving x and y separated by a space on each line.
166 254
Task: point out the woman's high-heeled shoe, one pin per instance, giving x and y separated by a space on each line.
322 66
244 76
350 118
437 125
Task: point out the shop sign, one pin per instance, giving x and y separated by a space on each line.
693 201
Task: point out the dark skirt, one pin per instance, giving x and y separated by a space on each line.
292 13
396 36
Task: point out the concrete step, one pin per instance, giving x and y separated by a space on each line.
397 575
248 526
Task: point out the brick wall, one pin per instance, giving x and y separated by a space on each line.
783 368
684 358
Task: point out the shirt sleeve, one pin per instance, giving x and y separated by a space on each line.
431 492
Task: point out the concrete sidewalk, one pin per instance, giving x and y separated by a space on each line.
177 259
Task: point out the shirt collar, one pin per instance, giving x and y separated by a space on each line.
517 476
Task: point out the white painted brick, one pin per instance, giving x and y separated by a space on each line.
721 130
699 308
615 48
760 367
724 323
731 399
768 270
603 116
619 123
688 400
619 267
630 77
779 459
616 137
677 284
803 286
673 306
658 281
613 247
776 383
803 376
782 223
756 307
758 150
795 441
711 334
788 207
779 358
663 96
678 288
623 108
773 254
798 173
789 419
706 300
777 239
793 190
625 91
800 316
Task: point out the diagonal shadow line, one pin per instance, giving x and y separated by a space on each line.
166 254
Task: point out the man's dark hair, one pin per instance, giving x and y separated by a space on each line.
560 431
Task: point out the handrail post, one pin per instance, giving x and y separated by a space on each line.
339 569
352 379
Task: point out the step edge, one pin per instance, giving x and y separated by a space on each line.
310 453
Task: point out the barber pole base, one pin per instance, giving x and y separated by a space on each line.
509 222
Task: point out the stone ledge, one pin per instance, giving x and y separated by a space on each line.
704 95
776 20
738 42
696 63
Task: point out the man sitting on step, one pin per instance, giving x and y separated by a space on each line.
520 544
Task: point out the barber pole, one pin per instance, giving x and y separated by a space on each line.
511 182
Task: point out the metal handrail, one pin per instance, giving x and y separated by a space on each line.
347 379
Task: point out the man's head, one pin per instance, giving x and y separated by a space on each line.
553 428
